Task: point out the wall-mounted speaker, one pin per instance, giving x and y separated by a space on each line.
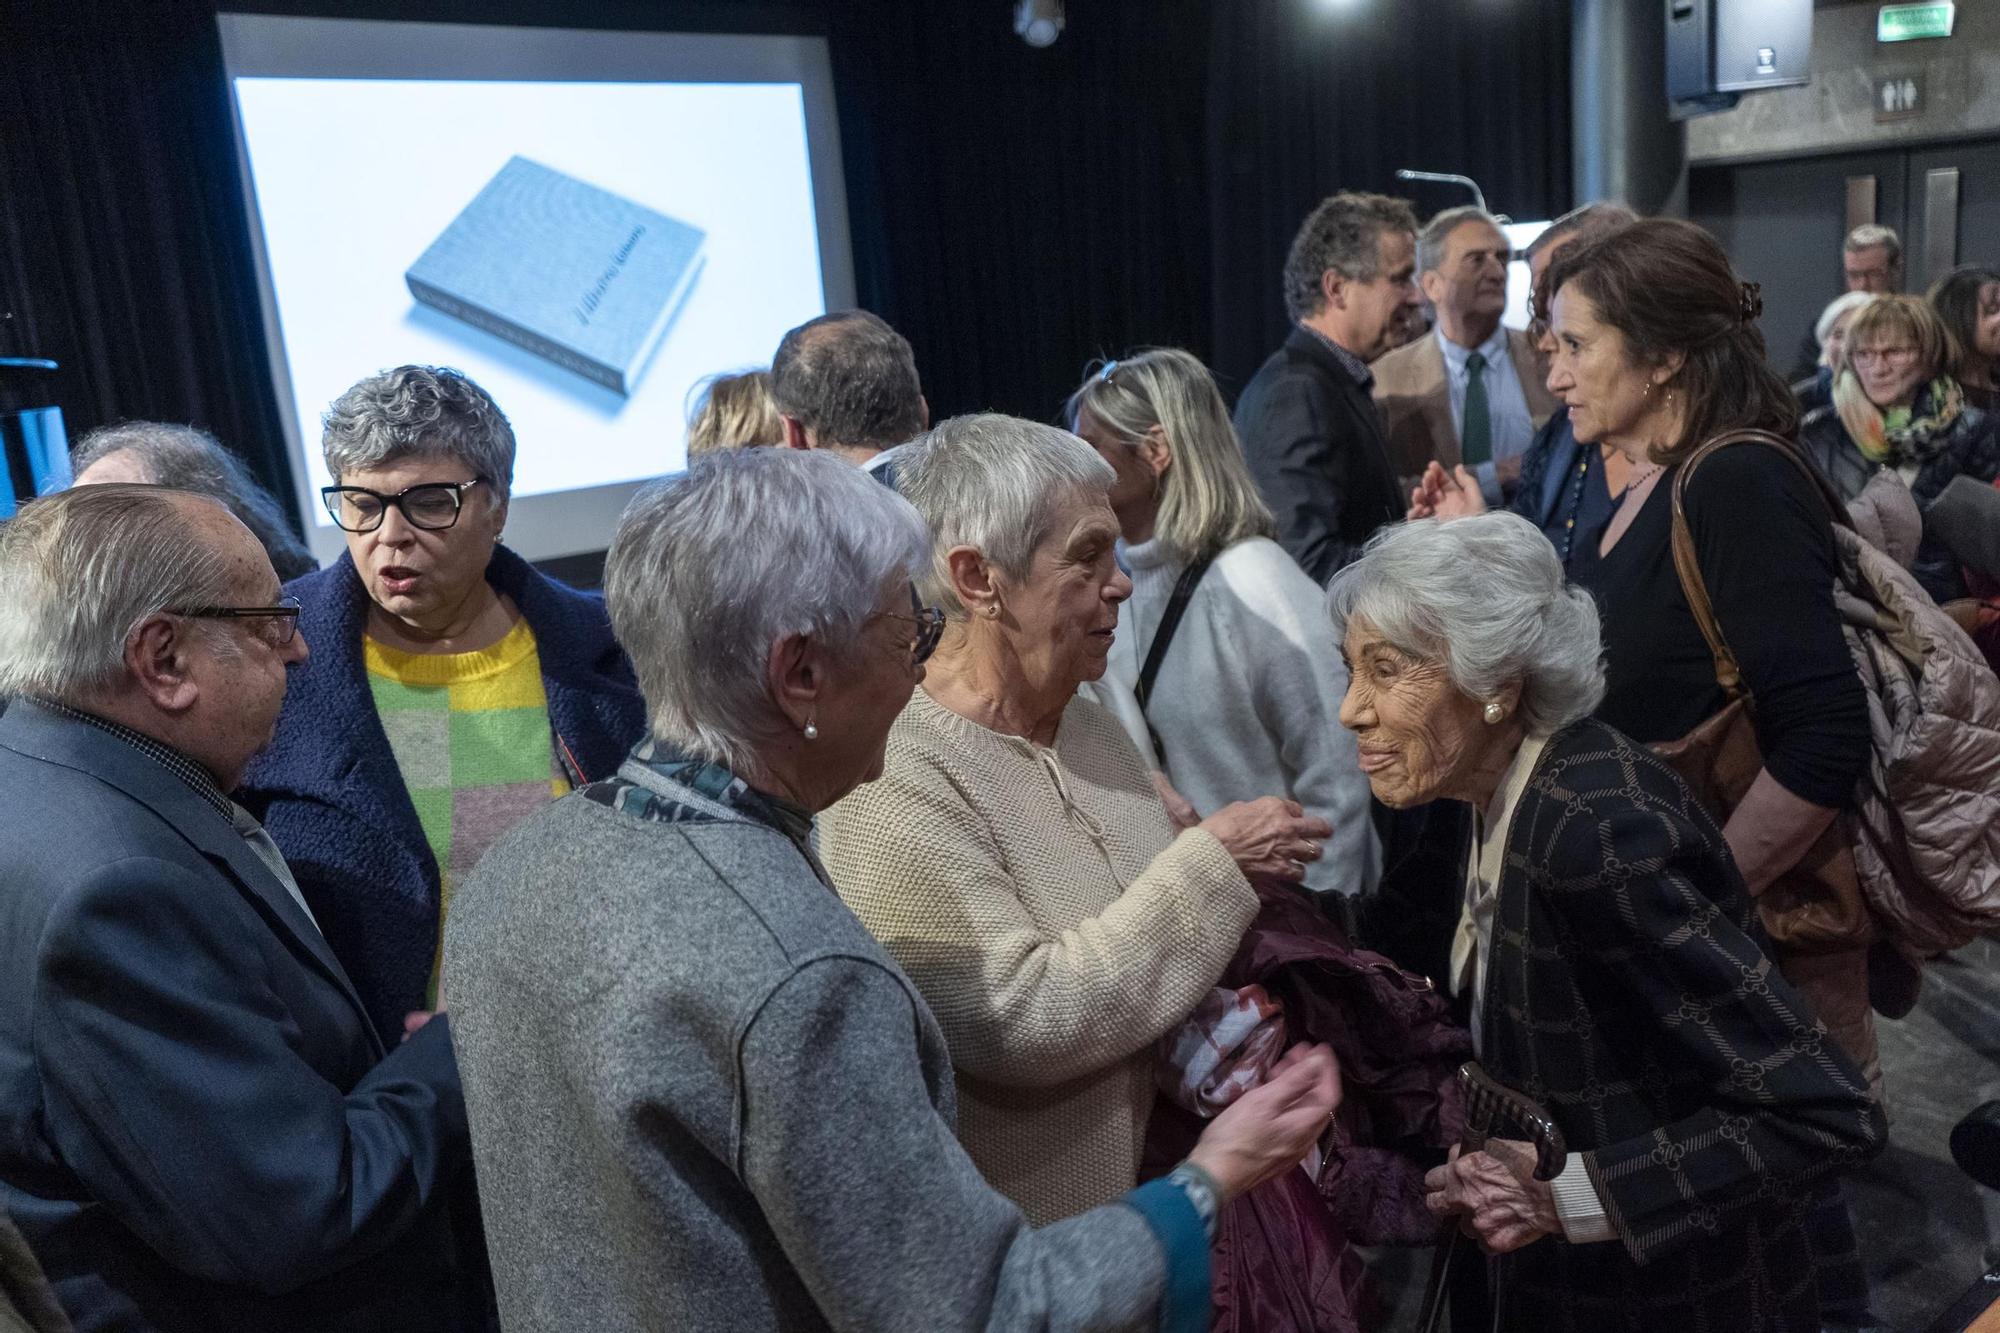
1718 50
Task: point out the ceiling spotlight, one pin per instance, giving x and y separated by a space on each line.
1039 22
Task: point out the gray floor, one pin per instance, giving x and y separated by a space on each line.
1926 1230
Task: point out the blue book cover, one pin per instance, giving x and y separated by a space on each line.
577 275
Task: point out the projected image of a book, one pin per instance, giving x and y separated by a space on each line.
576 275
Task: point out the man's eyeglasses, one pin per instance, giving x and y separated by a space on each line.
929 621
283 618
433 506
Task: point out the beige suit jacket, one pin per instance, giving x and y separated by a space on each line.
1415 400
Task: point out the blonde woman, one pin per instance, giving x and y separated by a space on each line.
1896 407
733 411
1241 700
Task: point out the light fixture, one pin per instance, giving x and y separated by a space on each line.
1039 22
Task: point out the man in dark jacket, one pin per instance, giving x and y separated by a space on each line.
199 1128
1309 427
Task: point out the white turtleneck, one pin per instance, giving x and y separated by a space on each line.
1247 702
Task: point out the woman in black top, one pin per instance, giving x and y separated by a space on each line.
1657 351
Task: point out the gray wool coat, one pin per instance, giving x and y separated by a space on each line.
702 1097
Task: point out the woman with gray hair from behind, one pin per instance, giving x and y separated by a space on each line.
1015 857
701 1096
1221 672
1607 951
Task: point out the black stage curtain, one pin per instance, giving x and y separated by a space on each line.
124 252
1309 98
1017 213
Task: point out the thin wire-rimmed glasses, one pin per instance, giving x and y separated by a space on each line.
929 621
432 506
284 617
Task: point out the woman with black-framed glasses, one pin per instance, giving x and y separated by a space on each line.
453 690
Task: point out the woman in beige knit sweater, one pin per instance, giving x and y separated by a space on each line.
1015 856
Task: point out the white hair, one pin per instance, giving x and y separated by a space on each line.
82 569
994 483
710 568
1484 597
1844 304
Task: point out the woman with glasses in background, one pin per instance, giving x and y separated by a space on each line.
1898 407
452 690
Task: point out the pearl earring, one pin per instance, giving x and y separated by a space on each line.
1494 712
812 732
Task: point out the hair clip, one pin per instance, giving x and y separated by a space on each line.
1104 375
1753 301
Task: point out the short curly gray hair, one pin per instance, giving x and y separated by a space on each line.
994 483
1343 234
709 568
1485 597
423 412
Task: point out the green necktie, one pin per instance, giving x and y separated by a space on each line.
1476 439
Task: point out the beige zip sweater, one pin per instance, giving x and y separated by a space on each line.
1043 905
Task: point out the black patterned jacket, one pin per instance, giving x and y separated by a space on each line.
1627 992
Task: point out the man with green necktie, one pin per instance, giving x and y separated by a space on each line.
1471 393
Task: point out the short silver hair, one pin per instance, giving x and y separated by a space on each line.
1431 240
994 483
710 568
1871 234
1485 597
421 412
1844 304
190 459
80 570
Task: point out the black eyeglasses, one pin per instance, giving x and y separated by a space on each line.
433 506
284 617
929 621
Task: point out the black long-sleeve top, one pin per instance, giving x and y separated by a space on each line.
1765 546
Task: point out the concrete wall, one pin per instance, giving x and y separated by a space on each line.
1836 111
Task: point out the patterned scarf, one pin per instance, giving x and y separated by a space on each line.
1902 434
712 781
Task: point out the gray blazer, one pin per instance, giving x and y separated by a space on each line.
198 1127
702 1097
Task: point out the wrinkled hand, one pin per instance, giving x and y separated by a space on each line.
1447 495
1267 1130
1179 809
1495 1196
1269 836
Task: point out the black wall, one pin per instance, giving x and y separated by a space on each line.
1015 212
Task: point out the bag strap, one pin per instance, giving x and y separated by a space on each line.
1156 652
1728 674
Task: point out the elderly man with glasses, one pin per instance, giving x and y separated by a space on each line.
199 1126
453 690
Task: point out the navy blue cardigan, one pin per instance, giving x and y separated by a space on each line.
329 791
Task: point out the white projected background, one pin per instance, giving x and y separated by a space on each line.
352 178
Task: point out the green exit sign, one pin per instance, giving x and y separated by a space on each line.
1907 23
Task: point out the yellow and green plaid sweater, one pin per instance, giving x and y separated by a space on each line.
470 732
